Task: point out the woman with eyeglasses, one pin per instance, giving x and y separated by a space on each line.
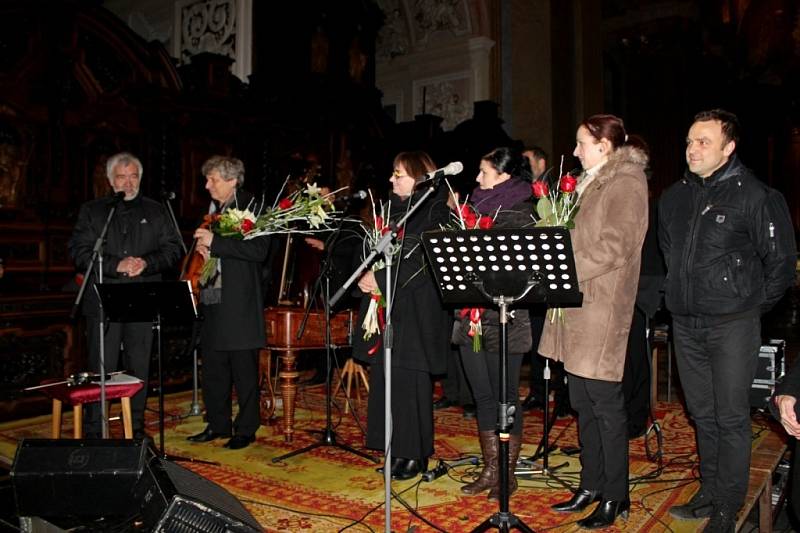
420 325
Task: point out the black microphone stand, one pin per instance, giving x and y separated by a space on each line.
543 449
97 256
194 410
384 247
328 435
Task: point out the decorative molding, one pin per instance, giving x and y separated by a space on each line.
431 16
449 96
218 26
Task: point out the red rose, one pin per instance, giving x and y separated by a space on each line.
485 222
465 211
470 220
540 189
379 222
247 225
286 203
568 183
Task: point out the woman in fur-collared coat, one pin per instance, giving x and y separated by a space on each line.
591 340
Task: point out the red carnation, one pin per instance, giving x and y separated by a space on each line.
568 183
247 225
485 222
540 189
285 203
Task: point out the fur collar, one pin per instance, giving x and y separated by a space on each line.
625 155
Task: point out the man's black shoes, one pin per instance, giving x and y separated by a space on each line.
700 506
207 435
238 442
443 403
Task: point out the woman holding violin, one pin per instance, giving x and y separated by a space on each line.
232 305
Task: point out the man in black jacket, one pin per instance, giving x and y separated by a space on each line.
233 308
141 243
730 252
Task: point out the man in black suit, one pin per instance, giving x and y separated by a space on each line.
141 243
233 307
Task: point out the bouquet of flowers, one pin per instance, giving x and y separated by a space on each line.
374 319
557 207
466 218
308 206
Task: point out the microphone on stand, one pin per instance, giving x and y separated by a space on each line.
117 197
450 170
347 198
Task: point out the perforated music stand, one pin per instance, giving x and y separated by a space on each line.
509 268
154 302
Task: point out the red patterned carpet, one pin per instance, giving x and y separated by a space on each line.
332 490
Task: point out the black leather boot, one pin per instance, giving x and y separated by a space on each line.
579 501
605 514
411 468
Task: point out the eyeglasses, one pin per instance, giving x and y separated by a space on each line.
396 174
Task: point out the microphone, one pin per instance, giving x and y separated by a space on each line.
117 197
450 170
347 198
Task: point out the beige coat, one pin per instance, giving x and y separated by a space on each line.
607 241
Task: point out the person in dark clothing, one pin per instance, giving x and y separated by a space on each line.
785 408
503 193
420 327
233 308
729 247
455 389
637 376
141 244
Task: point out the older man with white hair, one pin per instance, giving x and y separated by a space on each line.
141 243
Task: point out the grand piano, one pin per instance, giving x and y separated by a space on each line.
282 324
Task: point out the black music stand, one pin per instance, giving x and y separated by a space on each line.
507 267
150 302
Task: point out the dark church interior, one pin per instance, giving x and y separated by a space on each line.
326 93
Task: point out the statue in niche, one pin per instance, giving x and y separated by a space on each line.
392 40
320 48
12 167
357 60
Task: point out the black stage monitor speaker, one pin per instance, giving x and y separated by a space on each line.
80 478
176 500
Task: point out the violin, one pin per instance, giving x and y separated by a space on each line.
192 265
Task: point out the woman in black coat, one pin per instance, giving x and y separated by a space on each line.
504 193
420 326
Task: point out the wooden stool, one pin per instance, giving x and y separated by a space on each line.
349 370
78 395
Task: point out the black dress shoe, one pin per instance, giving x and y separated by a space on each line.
238 442
605 514
531 402
397 464
411 468
579 501
207 435
443 403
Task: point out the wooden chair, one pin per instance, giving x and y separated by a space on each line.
78 395
351 370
